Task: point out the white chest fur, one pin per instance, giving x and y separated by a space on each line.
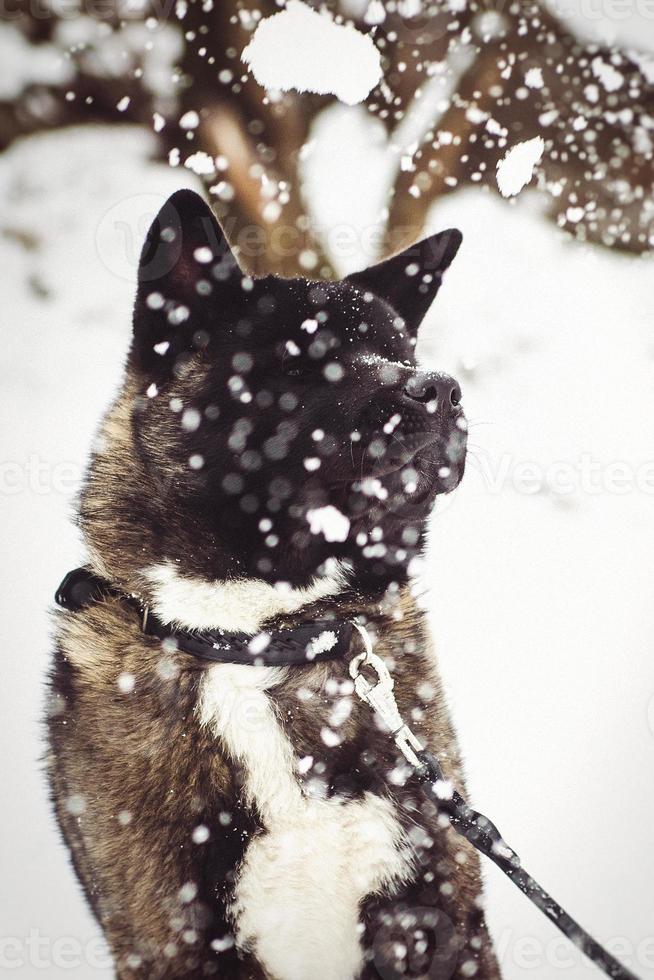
239 605
300 888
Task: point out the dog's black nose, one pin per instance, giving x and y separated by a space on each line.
428 387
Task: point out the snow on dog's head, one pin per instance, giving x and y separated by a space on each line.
301 49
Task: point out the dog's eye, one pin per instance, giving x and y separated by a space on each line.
296 365
292 360
291 367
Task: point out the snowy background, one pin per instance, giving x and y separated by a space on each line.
540 569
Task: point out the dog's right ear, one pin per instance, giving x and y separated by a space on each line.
188 280
410 280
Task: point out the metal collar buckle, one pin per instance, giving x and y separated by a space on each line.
379 696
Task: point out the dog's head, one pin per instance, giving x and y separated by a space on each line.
268 425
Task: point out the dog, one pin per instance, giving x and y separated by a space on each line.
270 461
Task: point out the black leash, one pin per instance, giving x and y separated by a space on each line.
475 827
484 835
307 643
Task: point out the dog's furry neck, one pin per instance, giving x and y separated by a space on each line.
235 605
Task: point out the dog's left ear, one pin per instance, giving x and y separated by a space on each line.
409 281
188 284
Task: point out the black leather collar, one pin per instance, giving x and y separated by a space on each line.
307 643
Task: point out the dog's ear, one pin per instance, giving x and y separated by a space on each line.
188 280
409 281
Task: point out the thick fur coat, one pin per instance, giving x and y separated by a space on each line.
251 821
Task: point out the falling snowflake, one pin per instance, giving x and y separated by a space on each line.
516 168
301 49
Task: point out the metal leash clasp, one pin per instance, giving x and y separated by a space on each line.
379 696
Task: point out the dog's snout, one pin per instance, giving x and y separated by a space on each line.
426 387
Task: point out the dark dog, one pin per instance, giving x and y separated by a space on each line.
272 458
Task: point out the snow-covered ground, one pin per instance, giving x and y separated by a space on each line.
540 566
